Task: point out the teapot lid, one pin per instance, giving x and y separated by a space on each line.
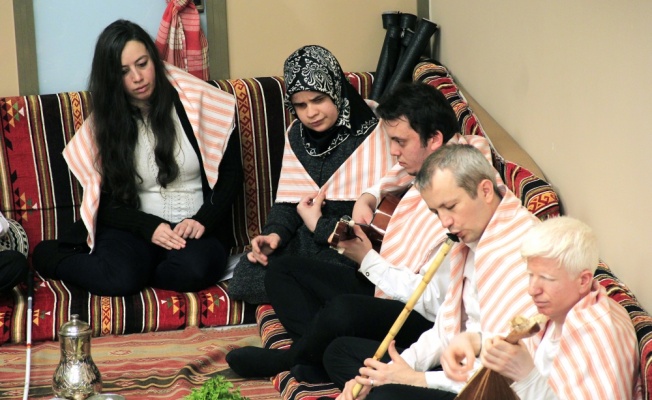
75 327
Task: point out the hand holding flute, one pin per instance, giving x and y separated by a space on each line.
377 373
439 258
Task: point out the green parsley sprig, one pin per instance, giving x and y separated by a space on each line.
216 388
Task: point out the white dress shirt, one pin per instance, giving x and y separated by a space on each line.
398 282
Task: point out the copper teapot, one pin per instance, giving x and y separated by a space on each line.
77 376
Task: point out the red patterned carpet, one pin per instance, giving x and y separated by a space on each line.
156 365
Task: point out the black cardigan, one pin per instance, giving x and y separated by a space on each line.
215 211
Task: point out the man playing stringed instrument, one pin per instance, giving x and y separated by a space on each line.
595 355
318 301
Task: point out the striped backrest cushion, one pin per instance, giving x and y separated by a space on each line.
39 192
535 193
642 321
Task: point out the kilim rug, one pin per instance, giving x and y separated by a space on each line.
155 365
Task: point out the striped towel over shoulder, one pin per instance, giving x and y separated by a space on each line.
364 167
210 112
598 353
414 231
501 273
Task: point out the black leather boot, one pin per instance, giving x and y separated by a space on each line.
389 53
418 43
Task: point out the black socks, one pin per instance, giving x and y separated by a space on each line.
310 373
256 362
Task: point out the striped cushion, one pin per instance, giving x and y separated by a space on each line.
536 194
38 191
274 336
642 321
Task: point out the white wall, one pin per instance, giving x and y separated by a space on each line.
66 32
571 82
263 33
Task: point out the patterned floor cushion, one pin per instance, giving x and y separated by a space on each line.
150 310
290 388
274 336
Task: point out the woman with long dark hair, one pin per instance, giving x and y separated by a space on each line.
148 158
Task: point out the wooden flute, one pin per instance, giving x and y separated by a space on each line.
393 331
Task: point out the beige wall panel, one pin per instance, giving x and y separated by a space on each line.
8 60
263 33
571 82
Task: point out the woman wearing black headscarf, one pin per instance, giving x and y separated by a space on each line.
326 166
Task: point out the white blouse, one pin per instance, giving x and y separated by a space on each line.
182 197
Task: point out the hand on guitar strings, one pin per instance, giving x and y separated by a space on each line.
309 208
357 248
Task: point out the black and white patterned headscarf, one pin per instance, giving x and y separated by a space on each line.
316 69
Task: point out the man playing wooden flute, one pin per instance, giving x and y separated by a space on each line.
488 284
317 301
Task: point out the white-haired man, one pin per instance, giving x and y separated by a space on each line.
588 349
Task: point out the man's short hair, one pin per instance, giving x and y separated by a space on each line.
468 165
425 108
567 240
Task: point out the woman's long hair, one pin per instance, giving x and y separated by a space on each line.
115 118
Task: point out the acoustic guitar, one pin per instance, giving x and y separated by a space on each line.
375 230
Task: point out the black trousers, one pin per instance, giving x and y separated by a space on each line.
317 302
13 269
394 391
123 263
344 358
